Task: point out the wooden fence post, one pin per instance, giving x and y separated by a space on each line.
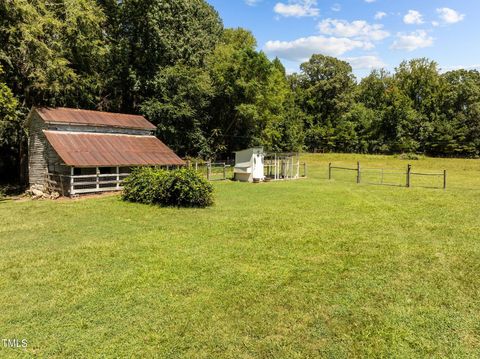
330 171
409 171
305 169
359 179
209 170
444 179
224 171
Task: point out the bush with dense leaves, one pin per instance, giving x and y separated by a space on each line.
182 188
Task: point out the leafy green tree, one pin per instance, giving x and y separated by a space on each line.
148 36
325 92
458 129
179 107
10 133
421 82
357 130
53 52
250 93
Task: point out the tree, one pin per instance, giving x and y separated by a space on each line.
53 52
458 129
250 92
421 82
325 90
148 36
10 133
179 107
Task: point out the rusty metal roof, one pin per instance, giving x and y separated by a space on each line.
80 149
65 115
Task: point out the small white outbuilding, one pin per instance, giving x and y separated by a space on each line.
249 165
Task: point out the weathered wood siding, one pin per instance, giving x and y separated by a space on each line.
41 155
37 162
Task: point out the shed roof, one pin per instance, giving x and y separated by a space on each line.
82 149
74 116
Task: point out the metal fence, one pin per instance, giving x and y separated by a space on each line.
392 177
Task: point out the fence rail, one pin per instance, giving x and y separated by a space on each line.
214 171
78 184
407 173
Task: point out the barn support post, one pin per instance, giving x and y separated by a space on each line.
444 179
97 170
72 191
359 178
330 171
118 178
409 171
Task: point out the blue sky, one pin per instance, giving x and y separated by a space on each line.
367 33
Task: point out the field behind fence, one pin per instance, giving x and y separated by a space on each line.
462 174
407 177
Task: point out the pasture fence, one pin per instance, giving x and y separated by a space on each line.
213 171
401 178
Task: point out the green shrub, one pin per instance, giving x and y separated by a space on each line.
182 188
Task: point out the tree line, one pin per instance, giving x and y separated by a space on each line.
210 92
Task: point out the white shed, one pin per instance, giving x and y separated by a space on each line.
249 165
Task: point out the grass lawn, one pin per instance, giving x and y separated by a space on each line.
302 269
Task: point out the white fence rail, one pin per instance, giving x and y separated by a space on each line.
79 184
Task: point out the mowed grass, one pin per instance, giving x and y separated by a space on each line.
303 269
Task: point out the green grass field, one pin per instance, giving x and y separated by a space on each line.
303 269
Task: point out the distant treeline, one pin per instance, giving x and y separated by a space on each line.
210 92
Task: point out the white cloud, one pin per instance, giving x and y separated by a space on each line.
370 1
380 15
413 17
303 48
449 16
368 62
460 67
412 41
336 7
358 29
435 23
297 8
252 2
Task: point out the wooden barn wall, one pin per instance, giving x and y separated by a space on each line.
41 155
37 162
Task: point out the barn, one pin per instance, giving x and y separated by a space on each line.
75 151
